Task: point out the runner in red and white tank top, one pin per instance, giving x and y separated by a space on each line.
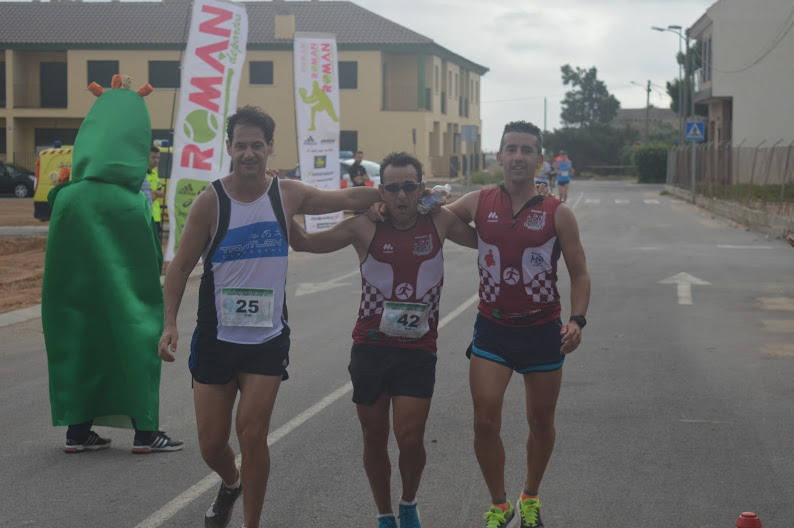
393 358
401 279
517 260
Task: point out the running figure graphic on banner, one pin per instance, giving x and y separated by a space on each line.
321 101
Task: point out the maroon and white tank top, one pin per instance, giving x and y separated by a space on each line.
517 259
401 280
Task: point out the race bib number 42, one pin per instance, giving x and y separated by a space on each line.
405 319
247 307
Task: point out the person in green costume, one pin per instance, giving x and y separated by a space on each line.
102 304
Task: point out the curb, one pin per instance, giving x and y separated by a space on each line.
34 312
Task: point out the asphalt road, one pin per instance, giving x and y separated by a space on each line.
675 411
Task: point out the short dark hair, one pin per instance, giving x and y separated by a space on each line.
401 159
154 149
251 116
359 152
524 127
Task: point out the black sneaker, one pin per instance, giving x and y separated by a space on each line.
94 442
219 514
160 442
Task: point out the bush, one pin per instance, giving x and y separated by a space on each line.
487 177
651 163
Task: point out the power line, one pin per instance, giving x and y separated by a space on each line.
528 98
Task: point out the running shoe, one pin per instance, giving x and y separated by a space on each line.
496 517
529 511
93 442
219 514
387 521
409 516
160 442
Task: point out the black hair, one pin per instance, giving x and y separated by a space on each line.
524 127
154 149
251 116
401 159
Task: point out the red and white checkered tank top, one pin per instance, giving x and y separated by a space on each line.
517 259
401 280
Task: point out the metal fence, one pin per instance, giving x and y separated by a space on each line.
760 176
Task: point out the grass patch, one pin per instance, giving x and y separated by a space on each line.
664 193
487 177
746 191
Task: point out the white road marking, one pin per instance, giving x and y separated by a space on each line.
731 246
581 195
684 282
592 201
651 201
621 201
179 502
306 288
649 248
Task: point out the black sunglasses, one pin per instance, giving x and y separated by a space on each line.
407 186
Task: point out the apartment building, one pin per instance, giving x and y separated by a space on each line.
399 90
746 73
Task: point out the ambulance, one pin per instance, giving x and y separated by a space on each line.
53 166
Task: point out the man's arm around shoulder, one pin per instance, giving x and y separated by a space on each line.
301 198
357 230
451 227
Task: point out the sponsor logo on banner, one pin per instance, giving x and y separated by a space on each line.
317 116
211 69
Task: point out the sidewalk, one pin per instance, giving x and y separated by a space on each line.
34 312
31 230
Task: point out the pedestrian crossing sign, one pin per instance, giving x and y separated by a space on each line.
695 131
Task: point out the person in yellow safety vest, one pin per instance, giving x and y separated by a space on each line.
153 177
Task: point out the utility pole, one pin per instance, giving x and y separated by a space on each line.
691 94
648 112
545 112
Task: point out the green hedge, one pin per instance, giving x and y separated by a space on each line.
651 162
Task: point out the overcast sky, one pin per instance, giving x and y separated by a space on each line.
525 42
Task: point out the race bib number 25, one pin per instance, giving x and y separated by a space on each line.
247 307
405 319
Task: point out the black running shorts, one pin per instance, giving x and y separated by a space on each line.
217 362
523 349
375 369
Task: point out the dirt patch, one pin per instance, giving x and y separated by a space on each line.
22 262
18 212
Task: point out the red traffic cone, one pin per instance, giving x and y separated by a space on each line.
748 520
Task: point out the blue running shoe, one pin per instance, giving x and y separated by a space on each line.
387 521
409 516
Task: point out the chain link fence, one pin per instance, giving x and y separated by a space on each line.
759 177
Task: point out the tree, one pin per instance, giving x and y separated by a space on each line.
672 86
589 103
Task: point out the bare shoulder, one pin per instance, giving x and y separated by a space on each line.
292 193
565 222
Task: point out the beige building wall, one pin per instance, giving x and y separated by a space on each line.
381 129
762 102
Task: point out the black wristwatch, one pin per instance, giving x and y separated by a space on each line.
579 319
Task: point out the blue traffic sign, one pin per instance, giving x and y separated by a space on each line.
695 131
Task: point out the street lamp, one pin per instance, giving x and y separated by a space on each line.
677 30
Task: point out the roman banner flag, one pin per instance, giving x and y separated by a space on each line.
211 70
317 117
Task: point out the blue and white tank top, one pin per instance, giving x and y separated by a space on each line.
241 297
564 171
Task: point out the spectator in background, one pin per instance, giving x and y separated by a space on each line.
358 174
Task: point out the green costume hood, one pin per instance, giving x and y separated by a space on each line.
113 142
